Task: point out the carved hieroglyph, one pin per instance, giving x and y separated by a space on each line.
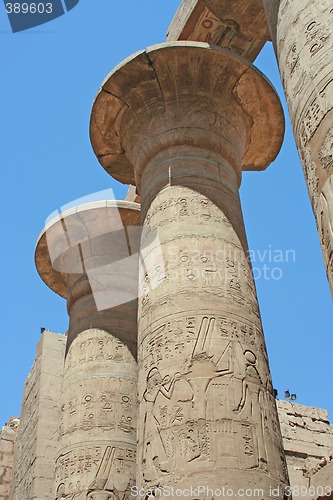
183 120
81 255
303 37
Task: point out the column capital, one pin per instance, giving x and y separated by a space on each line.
188 94
58 244
89 255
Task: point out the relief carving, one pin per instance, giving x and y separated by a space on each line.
326 224
326 152
112 469
215 408
251 405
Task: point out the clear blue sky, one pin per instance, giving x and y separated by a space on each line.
49 77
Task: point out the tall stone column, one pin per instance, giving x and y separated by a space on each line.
84 255
303 39
181 121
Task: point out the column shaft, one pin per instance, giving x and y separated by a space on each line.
207 409
303 39
98 426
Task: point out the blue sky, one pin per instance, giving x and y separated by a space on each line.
49 78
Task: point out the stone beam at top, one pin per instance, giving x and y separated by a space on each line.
238 25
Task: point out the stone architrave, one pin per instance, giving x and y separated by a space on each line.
239 25
303 39
88 256
181 121
36 442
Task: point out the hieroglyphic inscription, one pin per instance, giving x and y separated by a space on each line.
219 269
326 152
304 47
174 208
106 348
304 43
224 33
99 402
99 407
170 340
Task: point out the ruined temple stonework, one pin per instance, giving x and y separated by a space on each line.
8 435
308 445
77 256
37 435
190 118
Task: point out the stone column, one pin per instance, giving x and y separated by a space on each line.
84 255
303 39
181 120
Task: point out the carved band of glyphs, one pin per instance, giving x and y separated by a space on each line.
218 269
97 346
175 209
305 64
100 403
170 340
314 111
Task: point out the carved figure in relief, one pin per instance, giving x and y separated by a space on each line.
207 374
103 487
155 453
326 152
251 406
326 216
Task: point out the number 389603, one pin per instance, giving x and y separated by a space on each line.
31 8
